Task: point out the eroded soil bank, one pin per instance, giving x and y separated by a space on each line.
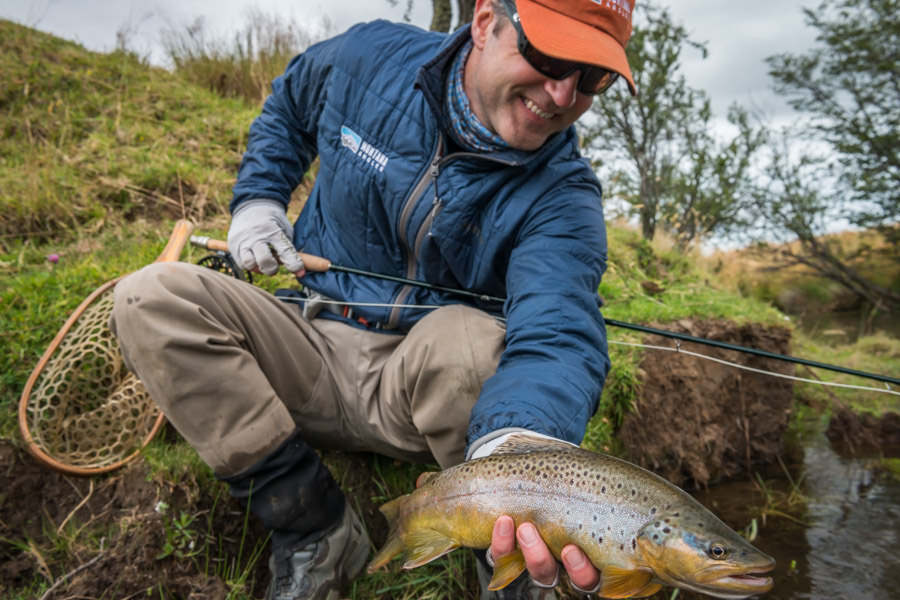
698 421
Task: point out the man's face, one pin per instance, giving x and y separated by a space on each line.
508 95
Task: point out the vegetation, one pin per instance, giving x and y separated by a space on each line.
845 90
100 153
658 150
245 66
93 140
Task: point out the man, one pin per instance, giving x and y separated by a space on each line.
448 159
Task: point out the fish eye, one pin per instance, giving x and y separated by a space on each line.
717 551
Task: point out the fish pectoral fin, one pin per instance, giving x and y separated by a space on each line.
425 545
616 582
506 569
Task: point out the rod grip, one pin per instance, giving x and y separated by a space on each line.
311 262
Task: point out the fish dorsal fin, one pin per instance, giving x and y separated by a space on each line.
616 582
425 545
520 443
506 569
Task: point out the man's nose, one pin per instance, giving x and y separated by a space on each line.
563 90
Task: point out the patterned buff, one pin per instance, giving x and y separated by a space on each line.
468 131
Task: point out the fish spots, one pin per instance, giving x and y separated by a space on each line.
603 489
652 510
667 530
633 492
633 544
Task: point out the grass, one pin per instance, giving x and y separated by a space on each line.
244 65
91 140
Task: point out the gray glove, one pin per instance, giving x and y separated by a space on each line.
260 238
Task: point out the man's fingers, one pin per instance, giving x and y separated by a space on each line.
245 259
540 562
265 260
287 254
580 570
503 538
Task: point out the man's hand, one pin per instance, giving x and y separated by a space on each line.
541 564
260 238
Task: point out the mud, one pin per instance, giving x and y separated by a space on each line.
38 505
854 434
137 511
697 422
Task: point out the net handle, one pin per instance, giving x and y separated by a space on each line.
177 241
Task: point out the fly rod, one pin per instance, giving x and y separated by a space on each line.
319 264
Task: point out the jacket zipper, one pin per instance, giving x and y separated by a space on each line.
425 228
412 251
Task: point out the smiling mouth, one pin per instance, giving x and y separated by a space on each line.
530 105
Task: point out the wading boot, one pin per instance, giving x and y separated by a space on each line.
323 569
318 543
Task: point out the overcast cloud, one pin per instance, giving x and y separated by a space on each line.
739 34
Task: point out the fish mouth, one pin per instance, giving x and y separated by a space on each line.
750 582
747 582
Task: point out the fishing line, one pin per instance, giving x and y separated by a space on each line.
681 350
676 336
677 348
222 247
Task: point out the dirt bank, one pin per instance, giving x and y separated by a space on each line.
697 421
141 554
857 434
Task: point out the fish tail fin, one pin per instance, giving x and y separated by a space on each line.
391 548
394 544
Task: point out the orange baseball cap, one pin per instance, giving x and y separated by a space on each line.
589 31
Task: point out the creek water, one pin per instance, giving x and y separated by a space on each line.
842 541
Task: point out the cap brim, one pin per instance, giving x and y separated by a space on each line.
562 36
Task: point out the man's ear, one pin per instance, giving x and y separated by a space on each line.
482 22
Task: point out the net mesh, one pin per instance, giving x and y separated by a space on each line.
86 409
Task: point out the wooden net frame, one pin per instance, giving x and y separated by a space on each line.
82 412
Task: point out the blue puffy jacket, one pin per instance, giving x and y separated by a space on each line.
389 198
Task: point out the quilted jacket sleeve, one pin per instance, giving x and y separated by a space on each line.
552 373
282 140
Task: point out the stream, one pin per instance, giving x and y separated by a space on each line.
842 542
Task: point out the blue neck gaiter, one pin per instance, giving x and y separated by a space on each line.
468 131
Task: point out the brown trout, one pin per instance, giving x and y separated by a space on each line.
638 529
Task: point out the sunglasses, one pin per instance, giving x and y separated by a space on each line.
593 80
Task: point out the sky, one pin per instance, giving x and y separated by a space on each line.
739 34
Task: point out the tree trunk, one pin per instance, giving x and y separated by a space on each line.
442 15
